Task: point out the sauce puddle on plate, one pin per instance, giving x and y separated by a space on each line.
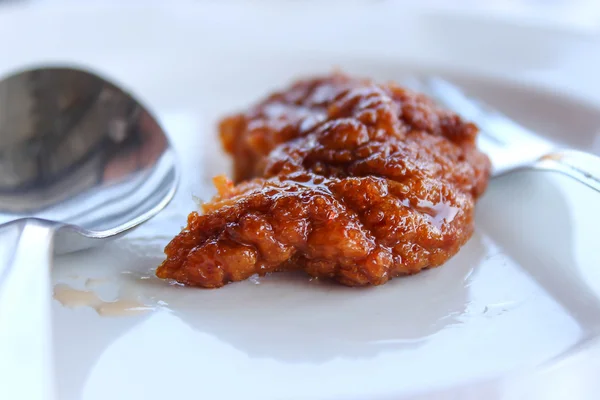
76 298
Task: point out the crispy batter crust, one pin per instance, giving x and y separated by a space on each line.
343 178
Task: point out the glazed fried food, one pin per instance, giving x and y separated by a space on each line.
343 178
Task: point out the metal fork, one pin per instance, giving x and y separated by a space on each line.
512 147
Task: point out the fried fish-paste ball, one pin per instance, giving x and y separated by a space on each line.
343 178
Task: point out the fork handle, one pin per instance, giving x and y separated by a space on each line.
26 364
584 167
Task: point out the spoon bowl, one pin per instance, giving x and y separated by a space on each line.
81 161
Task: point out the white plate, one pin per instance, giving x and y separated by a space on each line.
522 294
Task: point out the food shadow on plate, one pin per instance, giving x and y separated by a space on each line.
289 317
285 316
529 217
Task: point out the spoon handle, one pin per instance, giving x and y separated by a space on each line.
26 363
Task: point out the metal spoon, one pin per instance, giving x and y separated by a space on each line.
80 161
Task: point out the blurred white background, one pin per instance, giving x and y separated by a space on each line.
582 15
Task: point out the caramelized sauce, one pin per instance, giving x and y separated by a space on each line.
344 178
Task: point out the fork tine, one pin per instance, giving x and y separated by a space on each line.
518 147
494 125
450 96
453 98
506 143
414 83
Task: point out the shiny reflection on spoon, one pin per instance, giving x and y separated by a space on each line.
80 160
